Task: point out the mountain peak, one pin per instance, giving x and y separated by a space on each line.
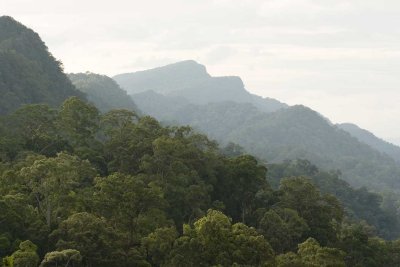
163 79
16 37
185 63
10 28
9 20
181 68
185 67
29 73
190 80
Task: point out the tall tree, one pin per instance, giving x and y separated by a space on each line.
52 181
133 207
26 256
79 121
215 241
322 213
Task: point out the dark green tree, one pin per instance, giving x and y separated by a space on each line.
91 236
322 213
215 241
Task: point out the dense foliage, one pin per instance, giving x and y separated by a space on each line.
291 133
370 139
183 93
28 72
83 188
102 91
359 204
80 188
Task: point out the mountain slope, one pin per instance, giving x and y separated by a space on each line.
190 81
28 72
295 132
288 133
169 78
102 91
370 139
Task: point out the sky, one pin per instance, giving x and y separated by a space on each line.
339 57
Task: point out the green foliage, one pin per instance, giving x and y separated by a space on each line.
26 256
28 72
322 213
116 189
19 220
132 207
283 228
102 91
311 254
241 186
67 257
53 181
90 235
214 241
364 249
269 131
37 130
359 204
158 245
78 121
370 139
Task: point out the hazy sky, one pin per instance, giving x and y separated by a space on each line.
339 57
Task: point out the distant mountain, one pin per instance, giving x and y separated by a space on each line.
295 132
370 139
102 91
158 105
169 78
190 81
224 110
28 72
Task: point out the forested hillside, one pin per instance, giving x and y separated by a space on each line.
370 139
286 133
86 189
102 91
190 82
359 204
28 72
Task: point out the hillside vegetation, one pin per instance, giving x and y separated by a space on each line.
28 72
372 140
283 133
102 91
84 187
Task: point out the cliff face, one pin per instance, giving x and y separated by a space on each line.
190 81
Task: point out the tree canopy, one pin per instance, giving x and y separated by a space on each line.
81 188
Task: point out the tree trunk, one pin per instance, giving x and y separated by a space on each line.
48 214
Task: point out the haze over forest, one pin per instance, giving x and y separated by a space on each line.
172 136
338 57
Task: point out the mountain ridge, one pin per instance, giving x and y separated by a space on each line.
102 91
194 84
28 72
369 138
275 134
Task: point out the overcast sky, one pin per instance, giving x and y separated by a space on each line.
339 57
